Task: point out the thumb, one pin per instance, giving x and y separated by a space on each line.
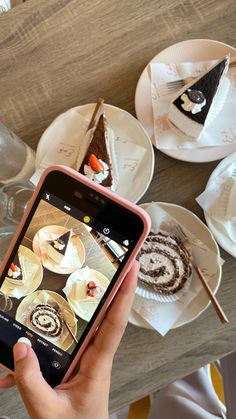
34 390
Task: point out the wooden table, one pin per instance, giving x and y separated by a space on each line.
56 54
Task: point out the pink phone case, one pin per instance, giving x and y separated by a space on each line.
122 201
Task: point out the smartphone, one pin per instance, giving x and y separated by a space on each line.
68 258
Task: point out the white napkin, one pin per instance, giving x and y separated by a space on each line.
219 201
221 132
162 316
76 286
70 129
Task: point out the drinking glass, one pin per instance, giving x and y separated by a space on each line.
13 201
6 234
17 159
5 302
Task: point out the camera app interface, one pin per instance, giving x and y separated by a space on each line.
59 275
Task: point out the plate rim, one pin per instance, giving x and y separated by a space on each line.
215 232
177 325
149 144
170 152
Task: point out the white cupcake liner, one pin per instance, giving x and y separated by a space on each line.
145 292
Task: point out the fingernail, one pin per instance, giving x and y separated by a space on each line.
20 351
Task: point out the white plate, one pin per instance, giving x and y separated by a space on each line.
124 125
215 226
50 264
191 50
31 284
201 301
38 297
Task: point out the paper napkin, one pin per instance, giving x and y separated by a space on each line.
219 201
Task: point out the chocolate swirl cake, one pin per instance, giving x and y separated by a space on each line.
164 263
47 320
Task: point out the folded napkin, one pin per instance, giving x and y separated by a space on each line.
68 131
76 286
221 132
163 315
219 201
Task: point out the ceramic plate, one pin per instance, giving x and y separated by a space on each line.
124 126
49 263
201 301
191 50
215 226
49 297
34 278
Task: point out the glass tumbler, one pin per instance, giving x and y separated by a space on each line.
13 201
6 234
17 159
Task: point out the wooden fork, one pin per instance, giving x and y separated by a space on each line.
219 311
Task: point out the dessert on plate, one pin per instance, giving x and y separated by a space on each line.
200 101
47 320
14 274
23 267
96 158
58 247
94 290
84 290
165 265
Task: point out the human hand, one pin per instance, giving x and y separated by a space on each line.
86 394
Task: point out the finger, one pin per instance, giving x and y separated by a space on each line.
33 388
105 343
7 381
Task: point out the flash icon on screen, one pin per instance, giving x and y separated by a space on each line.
86 219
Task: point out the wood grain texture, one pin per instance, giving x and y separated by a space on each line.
55 54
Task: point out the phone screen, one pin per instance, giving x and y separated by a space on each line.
57 278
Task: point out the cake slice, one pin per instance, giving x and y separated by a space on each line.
165 265
15 272
198 103
98 163
46 320
58 247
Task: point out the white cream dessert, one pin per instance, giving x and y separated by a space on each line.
198 103
97 159
23 268
58 247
